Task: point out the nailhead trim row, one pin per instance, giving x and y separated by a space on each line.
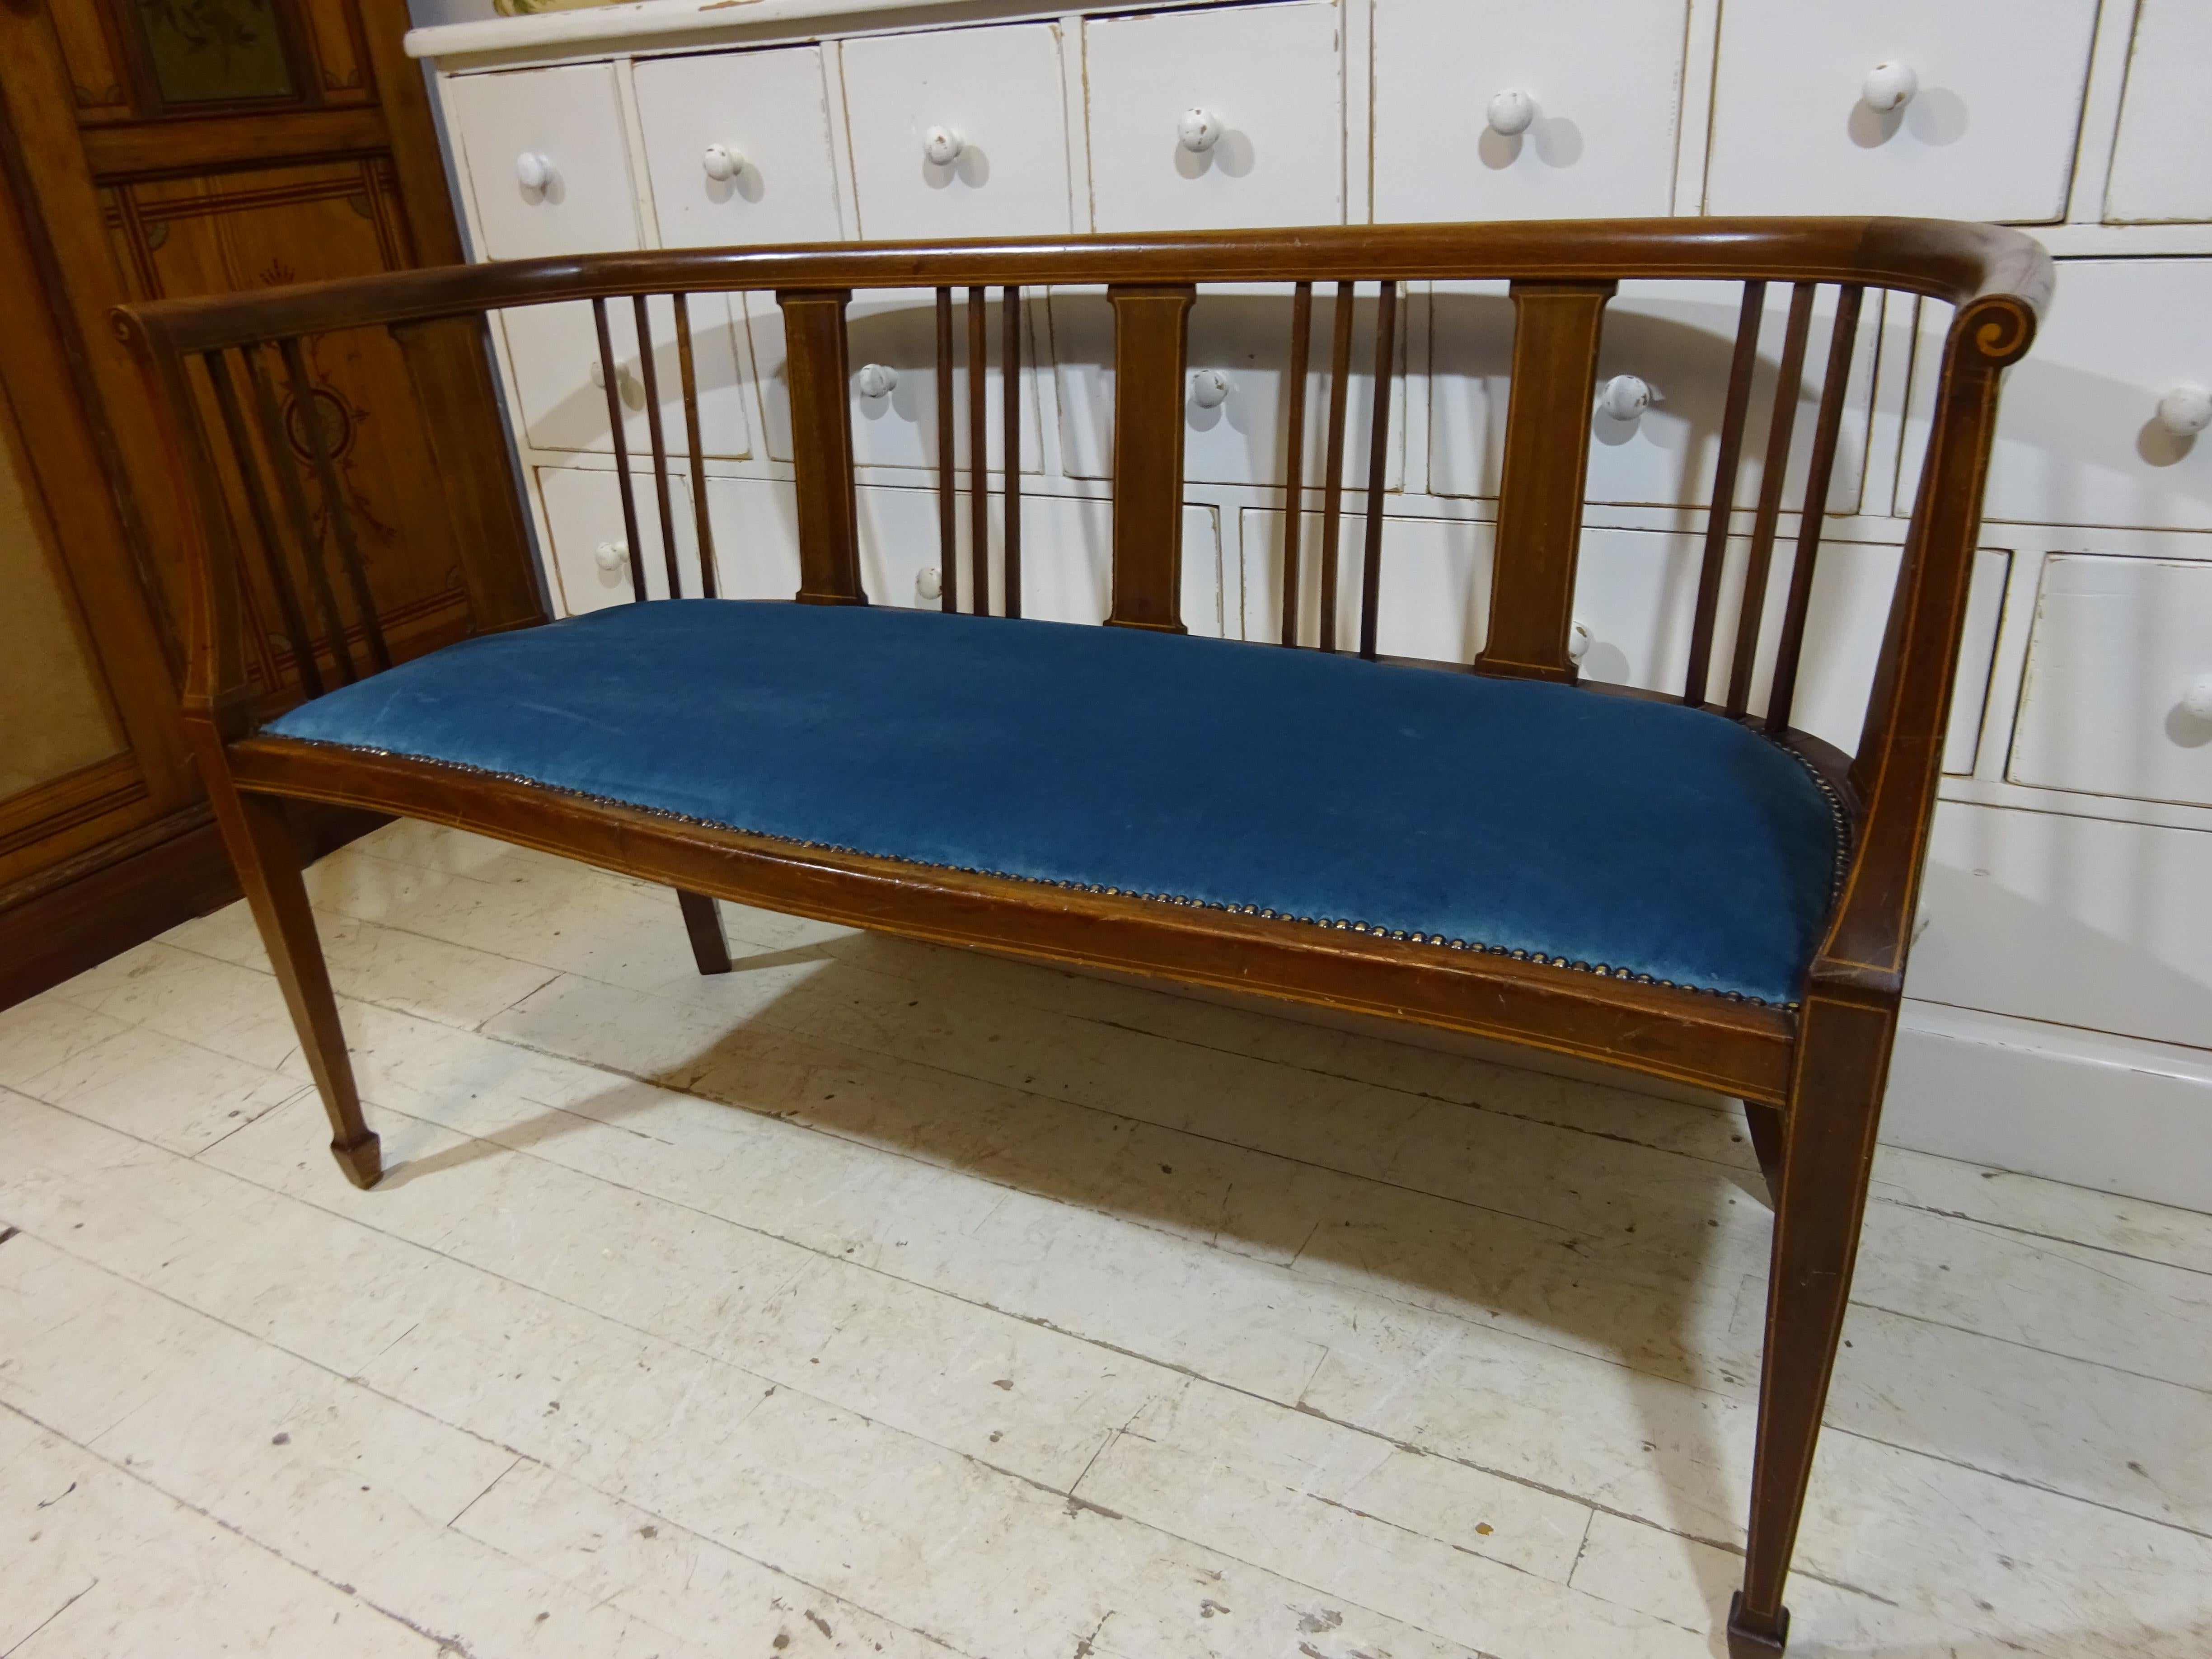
1341 924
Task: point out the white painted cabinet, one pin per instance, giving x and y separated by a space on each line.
591 542
1494 109
2118 698
1235 405
959 132
1678 338
561 381
1983 105
2079 921
1216 120
548 161
738 147
2162 159
1436 582
2081 436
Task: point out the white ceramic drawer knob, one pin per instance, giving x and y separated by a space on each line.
2198 700
1624 397
598 373
942 145
722 163
1511 112
1209 388
928 584
1889 85
876 381
1199 130
612 557
2185 410
1578 642
534 171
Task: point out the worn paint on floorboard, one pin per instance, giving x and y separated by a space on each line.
882 1298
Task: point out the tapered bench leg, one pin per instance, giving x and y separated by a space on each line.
259 839
1827 1153
710 948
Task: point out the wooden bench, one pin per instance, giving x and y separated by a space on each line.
1679 884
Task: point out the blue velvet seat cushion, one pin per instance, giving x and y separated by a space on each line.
1642 837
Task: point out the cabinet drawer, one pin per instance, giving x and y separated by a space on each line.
897 328
767 112
2079 439
567 122
1243 335
1678 338
2085 921
1268 80
1435 598
1599 135
553 351
2116 647
1987 133
2162 160
991 99
584 517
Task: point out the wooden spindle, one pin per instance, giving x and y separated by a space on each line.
264 520
948 550
1294 456
708 584
1826 429
659 442
1332 495
1737 410
1378 450
1010 381
276 444
341 516
979 460
1789 386
611 373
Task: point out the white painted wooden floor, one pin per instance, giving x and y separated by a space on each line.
883 1299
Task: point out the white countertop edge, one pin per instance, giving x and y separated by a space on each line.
642 18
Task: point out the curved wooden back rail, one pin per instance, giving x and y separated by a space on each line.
1811 1075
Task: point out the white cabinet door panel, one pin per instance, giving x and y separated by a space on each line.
1678 338
770 111
569 120
583 510
2084 921
2117 646
2162 160
1988 133
1271 80
1435 594
554 350
996 92
1600 139
2079 439
897 328
1243 335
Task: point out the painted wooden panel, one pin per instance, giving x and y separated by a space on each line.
1988 133
1599 137
995 95
1268 78
2120 649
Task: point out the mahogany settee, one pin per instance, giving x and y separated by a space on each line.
1677 884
